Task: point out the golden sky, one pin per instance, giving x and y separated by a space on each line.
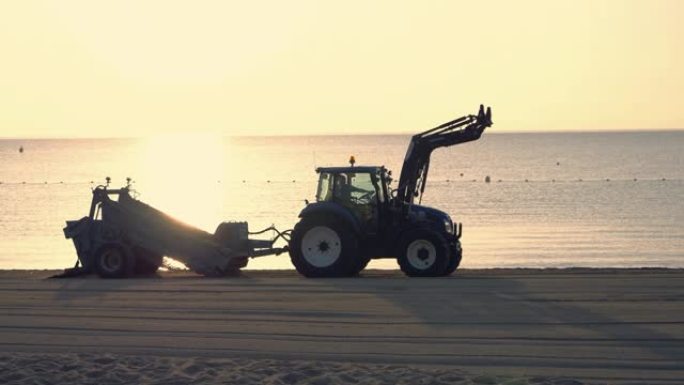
136 68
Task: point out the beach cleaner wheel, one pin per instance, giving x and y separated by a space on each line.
112 261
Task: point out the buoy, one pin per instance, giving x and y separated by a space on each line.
557 163
526 180
488 179
21 149
461 174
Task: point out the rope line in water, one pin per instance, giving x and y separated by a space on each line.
486 181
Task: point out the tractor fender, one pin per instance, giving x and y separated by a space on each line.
334 210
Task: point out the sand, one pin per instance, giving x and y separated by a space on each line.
477 327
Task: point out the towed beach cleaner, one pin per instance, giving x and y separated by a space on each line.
124 237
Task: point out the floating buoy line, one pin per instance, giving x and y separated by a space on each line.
488 180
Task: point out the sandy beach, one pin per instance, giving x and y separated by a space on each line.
574 326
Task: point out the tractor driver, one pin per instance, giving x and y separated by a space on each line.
345 191
357 199
342 189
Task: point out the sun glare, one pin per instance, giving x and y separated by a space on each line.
182 176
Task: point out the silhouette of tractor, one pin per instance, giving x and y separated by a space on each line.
357 216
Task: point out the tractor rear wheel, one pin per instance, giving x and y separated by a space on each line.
113 261
423 253
322 247
360 264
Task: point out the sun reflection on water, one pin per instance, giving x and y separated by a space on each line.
181 174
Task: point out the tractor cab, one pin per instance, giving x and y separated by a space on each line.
363 191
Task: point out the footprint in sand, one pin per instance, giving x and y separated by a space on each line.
192 369
104 360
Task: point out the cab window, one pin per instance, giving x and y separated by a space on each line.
355 188
324 191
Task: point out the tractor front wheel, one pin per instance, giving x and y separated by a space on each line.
322 247
423 253
455 259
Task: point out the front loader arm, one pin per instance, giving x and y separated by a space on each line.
417 161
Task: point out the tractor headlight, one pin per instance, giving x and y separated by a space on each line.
448 226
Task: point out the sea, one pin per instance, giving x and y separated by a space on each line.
553 200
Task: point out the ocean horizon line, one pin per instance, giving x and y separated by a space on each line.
322 135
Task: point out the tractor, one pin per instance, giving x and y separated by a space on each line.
357 216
